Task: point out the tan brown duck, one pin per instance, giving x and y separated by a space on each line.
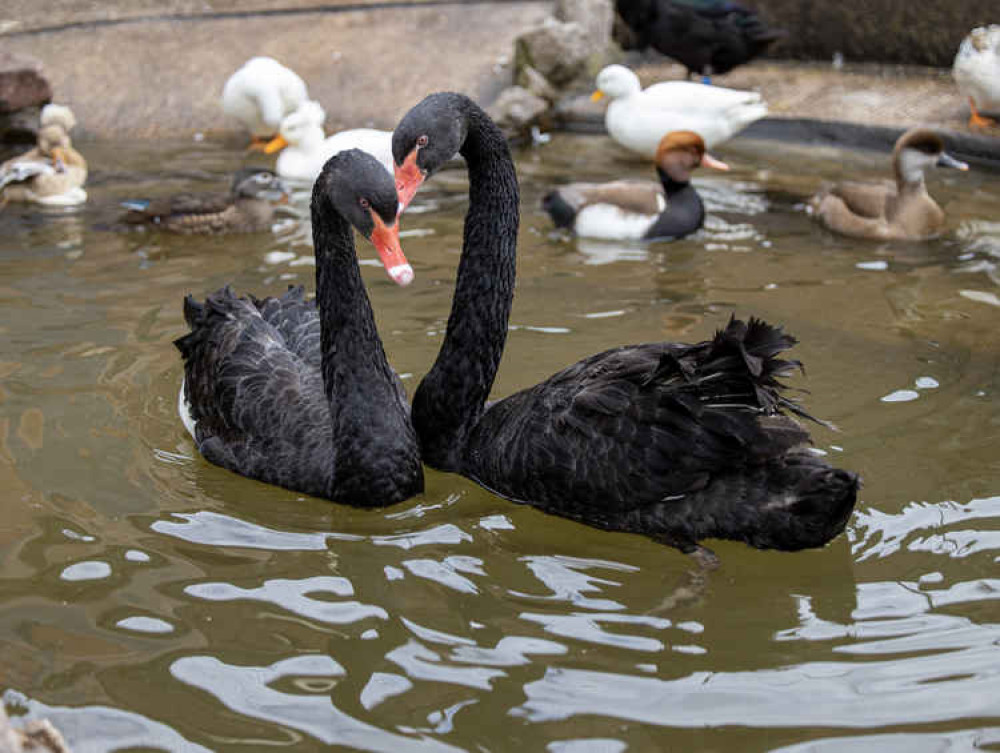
53 172
890 211
247 208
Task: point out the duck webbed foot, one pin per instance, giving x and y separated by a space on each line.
976 120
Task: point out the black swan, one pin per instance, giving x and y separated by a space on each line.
706 36
248 207
639 210
678 442
280 392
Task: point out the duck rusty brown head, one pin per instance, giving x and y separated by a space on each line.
680 153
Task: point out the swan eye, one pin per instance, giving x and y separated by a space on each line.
365 204
422 140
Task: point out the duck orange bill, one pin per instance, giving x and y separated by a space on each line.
275 145
408 179
707 160
59 159
596 96
385 238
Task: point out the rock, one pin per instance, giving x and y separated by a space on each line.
555 49
23 91
536 83
517 109
594 17
22 83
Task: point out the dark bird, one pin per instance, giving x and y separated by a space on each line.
636 210
678 442
247 208
708 37
300 394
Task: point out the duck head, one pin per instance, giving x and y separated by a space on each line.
680 153
919 150
615 81
259 183
303 127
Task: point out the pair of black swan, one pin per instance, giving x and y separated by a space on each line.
678 442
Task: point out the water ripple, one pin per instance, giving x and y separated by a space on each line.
293 595
246 690
887 533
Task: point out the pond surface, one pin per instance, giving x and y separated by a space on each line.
149 600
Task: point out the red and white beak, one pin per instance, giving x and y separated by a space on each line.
408 179
385 238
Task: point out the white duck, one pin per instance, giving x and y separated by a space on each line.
305 148
260 94
637 118
53 173
977 72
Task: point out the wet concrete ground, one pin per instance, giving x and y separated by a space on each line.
143 69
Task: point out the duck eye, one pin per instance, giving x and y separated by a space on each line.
365 204
422 140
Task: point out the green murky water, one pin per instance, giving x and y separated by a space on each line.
149 600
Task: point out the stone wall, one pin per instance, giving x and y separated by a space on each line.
918 32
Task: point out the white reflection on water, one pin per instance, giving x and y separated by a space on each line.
246 691
96 729
587 627
964 741
830 694
886 533
214 529
293 595
564 577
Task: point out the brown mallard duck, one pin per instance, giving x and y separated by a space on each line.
247 208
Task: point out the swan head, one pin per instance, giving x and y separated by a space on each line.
259 183
919 150
429 135
682 152
299 127
355 185
616 81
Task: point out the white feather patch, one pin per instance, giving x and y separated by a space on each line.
184 410
609 222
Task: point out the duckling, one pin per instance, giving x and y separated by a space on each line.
260 93
637 118
633 210
887 211
977 73
305 148
706 36
247 208
53 172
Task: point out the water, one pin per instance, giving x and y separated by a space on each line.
152 601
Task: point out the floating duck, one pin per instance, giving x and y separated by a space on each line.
637 118
890 211
247 208
53 172
634 210
260 94
977 73
706 36
305 148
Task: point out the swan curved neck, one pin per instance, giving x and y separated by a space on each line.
451 398
357 378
